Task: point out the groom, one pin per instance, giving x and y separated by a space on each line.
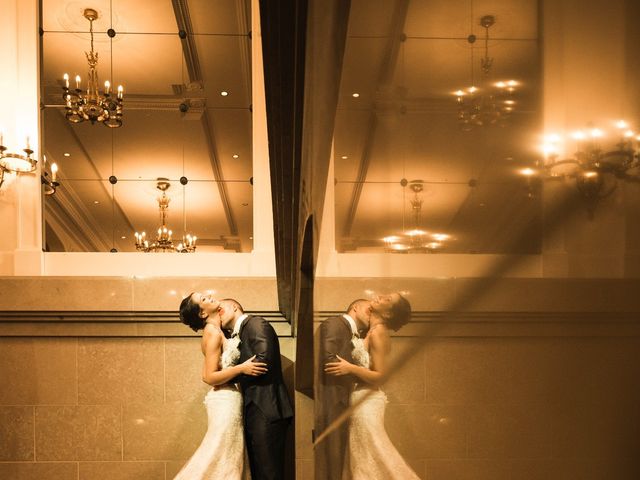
332 393
267 409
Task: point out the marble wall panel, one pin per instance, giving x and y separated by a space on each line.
39 471
169 431
41 371
16 433
116 371
85 432
183 370
122 471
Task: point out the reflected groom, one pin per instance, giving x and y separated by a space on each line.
332 393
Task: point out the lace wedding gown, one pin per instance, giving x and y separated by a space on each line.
221 453
372 456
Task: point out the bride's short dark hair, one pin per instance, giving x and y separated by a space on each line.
400 314
190 314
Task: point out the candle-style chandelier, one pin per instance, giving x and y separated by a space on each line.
597 163
415 240
92 105
15 162
488 103
164 241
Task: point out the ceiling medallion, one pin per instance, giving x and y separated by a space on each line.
490 102
164 242
415 240
92 105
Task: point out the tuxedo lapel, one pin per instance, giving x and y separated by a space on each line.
242 325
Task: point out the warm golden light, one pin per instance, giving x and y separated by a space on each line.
440 237
472 89
527 172
578 135
459 93
549 149
590 174
391 239
415 233
621 124
500 84
596 133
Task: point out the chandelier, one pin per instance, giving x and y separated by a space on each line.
489 103
164 241
597 163
15 162
92 105
415 240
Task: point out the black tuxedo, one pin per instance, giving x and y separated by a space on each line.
332 396
267 408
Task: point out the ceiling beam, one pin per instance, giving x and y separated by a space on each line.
385 76
183 19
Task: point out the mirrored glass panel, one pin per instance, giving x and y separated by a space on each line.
438 116
172 150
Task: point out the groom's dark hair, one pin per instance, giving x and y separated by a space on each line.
235 302
190 313
400 314
354 303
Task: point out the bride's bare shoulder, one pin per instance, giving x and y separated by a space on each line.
212 337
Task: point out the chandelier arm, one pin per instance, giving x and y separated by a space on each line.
564 161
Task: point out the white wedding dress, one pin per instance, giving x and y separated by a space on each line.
221 453
372 456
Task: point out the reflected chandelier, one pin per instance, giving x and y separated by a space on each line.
594 168
489 103
415 240
92 105
164 242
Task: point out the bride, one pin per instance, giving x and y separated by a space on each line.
221 453
372 456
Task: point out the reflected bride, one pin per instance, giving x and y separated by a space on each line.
372 456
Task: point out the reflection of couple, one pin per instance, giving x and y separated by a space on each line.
248 403
351 369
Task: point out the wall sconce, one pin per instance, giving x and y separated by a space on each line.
15 162
596 165
50 182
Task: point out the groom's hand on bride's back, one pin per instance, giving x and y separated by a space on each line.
253 369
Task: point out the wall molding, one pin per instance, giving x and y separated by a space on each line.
110 324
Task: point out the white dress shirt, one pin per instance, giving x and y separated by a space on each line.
352 324
238 324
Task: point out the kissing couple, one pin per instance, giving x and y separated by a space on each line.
353 363
248 403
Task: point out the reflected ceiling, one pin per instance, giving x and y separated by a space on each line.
163 75
404 59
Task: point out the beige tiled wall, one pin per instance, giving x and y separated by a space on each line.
503 396
514 408
101 408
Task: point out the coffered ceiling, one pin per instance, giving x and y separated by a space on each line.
162 75
404 59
